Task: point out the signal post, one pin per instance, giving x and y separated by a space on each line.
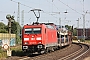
10 19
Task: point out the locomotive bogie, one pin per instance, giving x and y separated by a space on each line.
33 48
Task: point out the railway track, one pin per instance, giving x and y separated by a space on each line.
72 52
74 56
85 51
43 57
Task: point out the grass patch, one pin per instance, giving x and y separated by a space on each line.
16 51
87 41
2 53
16 48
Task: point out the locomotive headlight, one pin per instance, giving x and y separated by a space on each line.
26 43
25 47
39 46
38 38
39 42
26 39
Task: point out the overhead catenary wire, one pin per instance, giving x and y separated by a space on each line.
32 8
65 5
80 2
22 4
14 12
70 7
49 14
53 4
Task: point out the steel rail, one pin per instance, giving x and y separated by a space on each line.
82 53
39 56
75 54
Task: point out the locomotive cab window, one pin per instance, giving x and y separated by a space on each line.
32 30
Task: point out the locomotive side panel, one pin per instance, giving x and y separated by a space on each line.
51 36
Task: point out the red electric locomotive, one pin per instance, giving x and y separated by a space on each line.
39 37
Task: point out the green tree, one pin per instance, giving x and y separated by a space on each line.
15 29
75 32
3 28
69 27
18 39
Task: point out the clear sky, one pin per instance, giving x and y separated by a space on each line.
74 8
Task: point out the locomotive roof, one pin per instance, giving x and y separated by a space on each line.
43 23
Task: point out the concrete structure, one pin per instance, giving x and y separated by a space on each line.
4 39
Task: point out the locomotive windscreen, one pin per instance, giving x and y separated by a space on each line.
32 30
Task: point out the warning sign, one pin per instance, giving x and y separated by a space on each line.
5 46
